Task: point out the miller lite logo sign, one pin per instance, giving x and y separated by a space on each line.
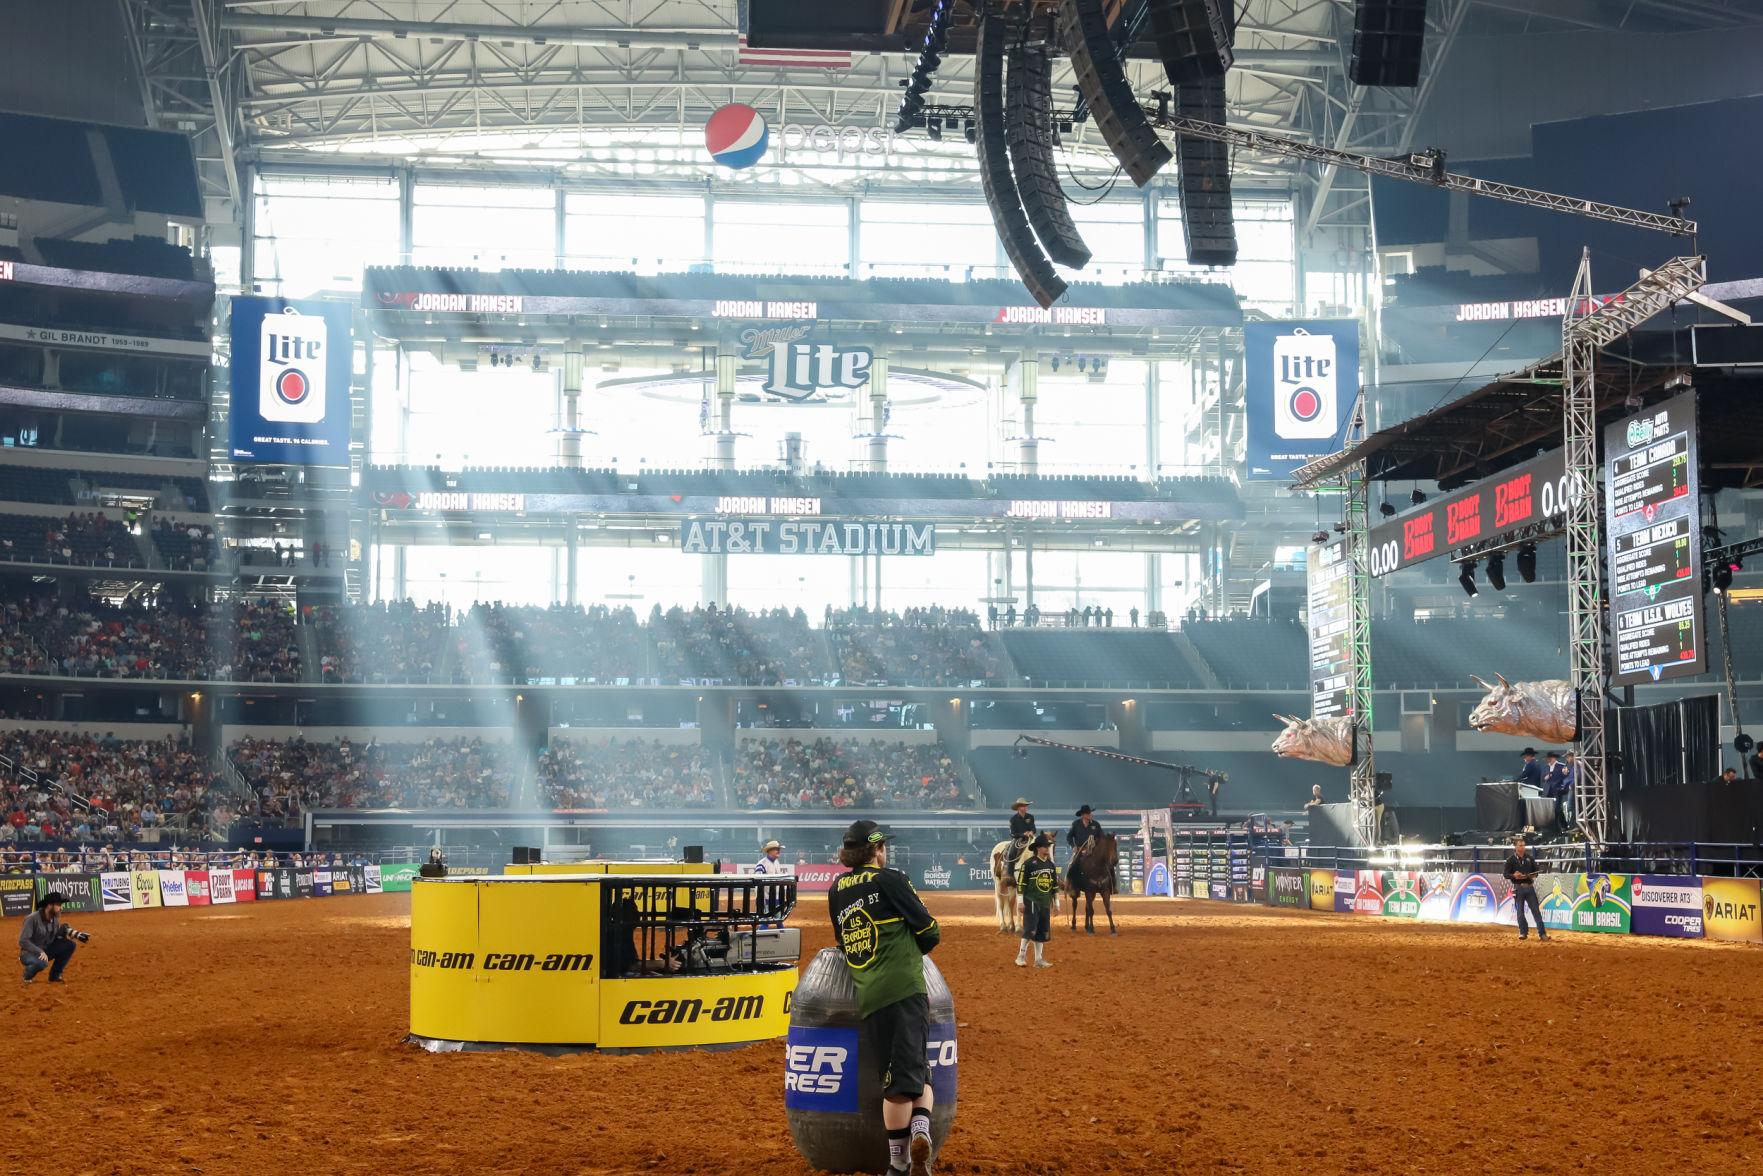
799 370
291 367
1304 395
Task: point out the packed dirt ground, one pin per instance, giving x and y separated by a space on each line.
249 1041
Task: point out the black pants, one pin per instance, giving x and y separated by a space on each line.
1525 894
899 1033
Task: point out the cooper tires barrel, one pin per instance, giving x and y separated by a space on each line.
832 1084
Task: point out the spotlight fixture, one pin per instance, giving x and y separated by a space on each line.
1722 577
1497 570
1386 510
934 128
1417 497
1527 563
1467 578
1340 528
1319 537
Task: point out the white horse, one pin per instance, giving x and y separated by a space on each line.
1004 895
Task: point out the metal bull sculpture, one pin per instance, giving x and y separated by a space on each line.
1541 710
1328 741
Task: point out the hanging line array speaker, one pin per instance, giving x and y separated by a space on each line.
1083 28
1028 131
1032 264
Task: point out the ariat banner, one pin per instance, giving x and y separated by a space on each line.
321 882
114 889
171 888
82 891
196 887
1729 909
18 896
1320 884
144 888
371 879
245 885
1669 906
397 878
220 887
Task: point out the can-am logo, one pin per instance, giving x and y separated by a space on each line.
690 1011
797 370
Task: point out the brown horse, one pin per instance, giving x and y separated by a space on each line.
1095 875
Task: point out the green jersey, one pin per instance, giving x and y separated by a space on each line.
1038 880
885 933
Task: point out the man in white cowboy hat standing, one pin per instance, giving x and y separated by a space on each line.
769 862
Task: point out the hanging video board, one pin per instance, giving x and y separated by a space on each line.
1331 615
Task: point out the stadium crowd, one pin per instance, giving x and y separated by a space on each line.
632 774
504 643
166 637
847 773
74 787
770 648
920 647
288 777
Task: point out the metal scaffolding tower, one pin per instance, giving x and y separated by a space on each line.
1362 783
1585 330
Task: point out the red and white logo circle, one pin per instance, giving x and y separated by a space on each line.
1304 404
292 386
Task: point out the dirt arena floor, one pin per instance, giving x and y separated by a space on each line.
1205 1039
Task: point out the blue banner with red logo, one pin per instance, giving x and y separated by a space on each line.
291 364
1301 382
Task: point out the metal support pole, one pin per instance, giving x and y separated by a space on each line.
727 365
569 438
1585 602
1362 784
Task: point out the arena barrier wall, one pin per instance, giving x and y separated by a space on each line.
1669 906
125 890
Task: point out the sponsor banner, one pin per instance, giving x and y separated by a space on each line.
1302 382
220 887
196 887
107 341
1530 494
371 879
1157 879
1729 909
114 891
1320 886
144 888
820 1070
358 879
323 882
342 882
82 891
1218 891
18 896
292 363
746 537
397 878
1666 905
1435 895
472 871
1287 888
817 878
936 878
1479 898
305 883
1346 892
1602 903
244 885
1367 891
1401 894
171 888
1555 894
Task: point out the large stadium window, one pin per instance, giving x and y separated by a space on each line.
484 228
1265 275
943 240
451 424
1114 230
646 232
1096 425
799 238
462 576
314 236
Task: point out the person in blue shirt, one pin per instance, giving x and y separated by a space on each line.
1532 772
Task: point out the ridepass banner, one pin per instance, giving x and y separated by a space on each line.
18 896
291 366
1302 382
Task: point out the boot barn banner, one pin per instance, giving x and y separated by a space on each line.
722 536
1302 383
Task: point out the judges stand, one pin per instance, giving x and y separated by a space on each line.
1506 806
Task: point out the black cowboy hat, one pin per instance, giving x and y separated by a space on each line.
863 833
1528 751
52 896
1085 809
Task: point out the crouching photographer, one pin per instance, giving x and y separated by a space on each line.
45 942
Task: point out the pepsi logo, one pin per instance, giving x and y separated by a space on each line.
292 386
736 136
1305 404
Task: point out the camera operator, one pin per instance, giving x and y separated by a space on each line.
43 942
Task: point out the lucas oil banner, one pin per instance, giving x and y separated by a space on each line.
291 367
1302 383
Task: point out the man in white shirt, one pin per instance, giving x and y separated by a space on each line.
768 862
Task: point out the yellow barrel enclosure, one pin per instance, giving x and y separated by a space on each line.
601 960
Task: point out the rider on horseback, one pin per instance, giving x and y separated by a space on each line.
1022 831
1082 830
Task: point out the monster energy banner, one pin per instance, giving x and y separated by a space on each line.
732 537
80 890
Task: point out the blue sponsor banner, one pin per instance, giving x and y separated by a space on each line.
1219 891
820 1069
291 366
321 882
1477 899
1302 381
1667 905
1157 879
944 1061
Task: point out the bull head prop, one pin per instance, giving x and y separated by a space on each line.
1543 710
1327 741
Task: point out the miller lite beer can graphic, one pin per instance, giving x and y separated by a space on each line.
1304 392
290 384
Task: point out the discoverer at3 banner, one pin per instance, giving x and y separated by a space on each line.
292 363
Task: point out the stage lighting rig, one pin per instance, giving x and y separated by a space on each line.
930 56
1467 578
1417 498
1527 563
1386 510
1497 570
1722 577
